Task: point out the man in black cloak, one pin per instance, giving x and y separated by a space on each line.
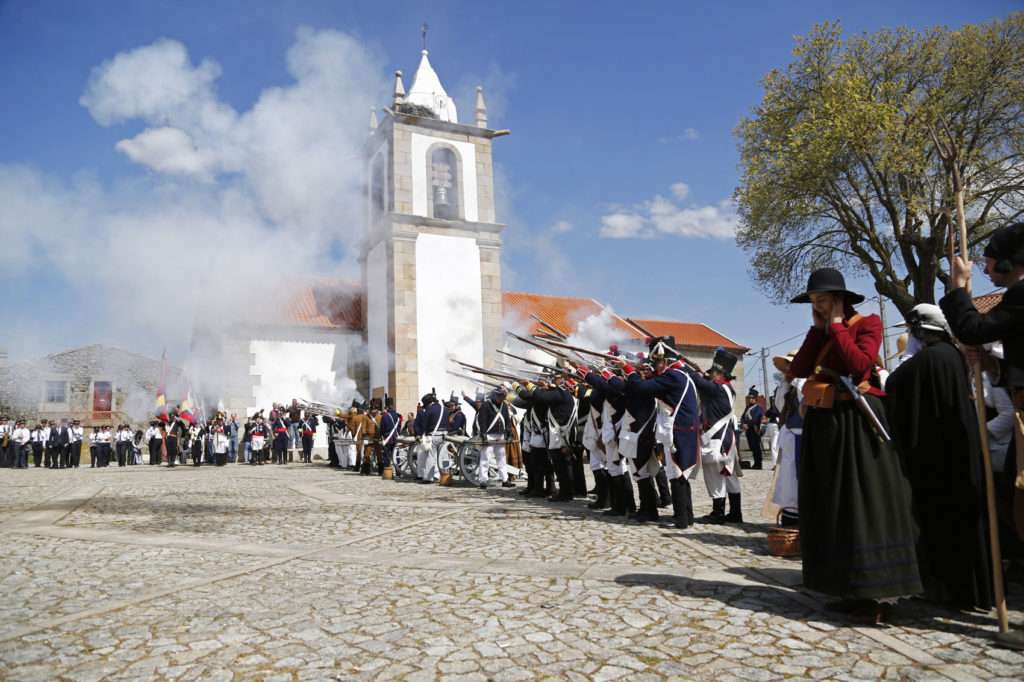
936 429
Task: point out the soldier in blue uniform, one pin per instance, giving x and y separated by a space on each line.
560 409
675 424
620 486
751 420
431 426
456 417
390 425
718 437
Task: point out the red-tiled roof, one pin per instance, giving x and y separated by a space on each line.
691 334
321 302
987 302
565 313
561 312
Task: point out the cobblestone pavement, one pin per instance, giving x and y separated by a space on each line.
305 573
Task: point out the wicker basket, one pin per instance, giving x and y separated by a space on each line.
783 540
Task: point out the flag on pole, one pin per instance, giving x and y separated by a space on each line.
188 406
161 391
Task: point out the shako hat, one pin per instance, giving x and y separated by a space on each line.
427 399
827 280
661 347
724 361
1006 247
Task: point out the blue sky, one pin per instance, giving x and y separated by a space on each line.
622 118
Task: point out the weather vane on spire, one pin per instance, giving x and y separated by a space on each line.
425 28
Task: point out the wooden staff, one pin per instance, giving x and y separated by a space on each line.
948 153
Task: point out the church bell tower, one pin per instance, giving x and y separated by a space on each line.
431 247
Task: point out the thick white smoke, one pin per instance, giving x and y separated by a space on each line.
225 203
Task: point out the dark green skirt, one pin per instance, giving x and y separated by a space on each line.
857 530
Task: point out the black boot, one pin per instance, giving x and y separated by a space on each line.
735 510
681 518
531 474
627 489
601 486
664 495
717 514
616 495
648 510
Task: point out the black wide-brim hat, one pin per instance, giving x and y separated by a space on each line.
827 280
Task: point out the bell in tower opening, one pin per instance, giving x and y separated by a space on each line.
444 179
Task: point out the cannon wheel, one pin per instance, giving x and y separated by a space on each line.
405 459
448 458
469 464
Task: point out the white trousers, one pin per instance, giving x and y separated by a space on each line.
611 453
785 494
717 484
773 442
493 452
427 459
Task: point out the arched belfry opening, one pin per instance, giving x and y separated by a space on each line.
444 183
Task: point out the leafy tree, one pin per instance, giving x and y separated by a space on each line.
839 167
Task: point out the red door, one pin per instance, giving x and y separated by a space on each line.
102 396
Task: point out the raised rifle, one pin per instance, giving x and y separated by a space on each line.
528 361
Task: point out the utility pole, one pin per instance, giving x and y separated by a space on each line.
764 372
885 332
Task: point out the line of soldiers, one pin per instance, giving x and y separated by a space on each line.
651 420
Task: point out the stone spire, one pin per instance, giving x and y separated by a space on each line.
373 119
399 88
427 91
480 120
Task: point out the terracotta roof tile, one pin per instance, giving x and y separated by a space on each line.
321 302
561 312
691 334
987 302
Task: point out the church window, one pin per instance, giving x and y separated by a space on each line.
444 180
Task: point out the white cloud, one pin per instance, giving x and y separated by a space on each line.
171 151
624 226
155 83
663 216
561 226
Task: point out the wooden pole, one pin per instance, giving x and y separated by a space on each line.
948 154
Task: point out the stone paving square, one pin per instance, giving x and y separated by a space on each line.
306 573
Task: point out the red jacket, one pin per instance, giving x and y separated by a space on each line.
852 354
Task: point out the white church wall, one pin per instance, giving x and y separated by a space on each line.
420 185
294 369
377 315
449 310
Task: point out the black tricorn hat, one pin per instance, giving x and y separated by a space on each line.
724 362
827 280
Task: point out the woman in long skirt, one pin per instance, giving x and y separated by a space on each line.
857 528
